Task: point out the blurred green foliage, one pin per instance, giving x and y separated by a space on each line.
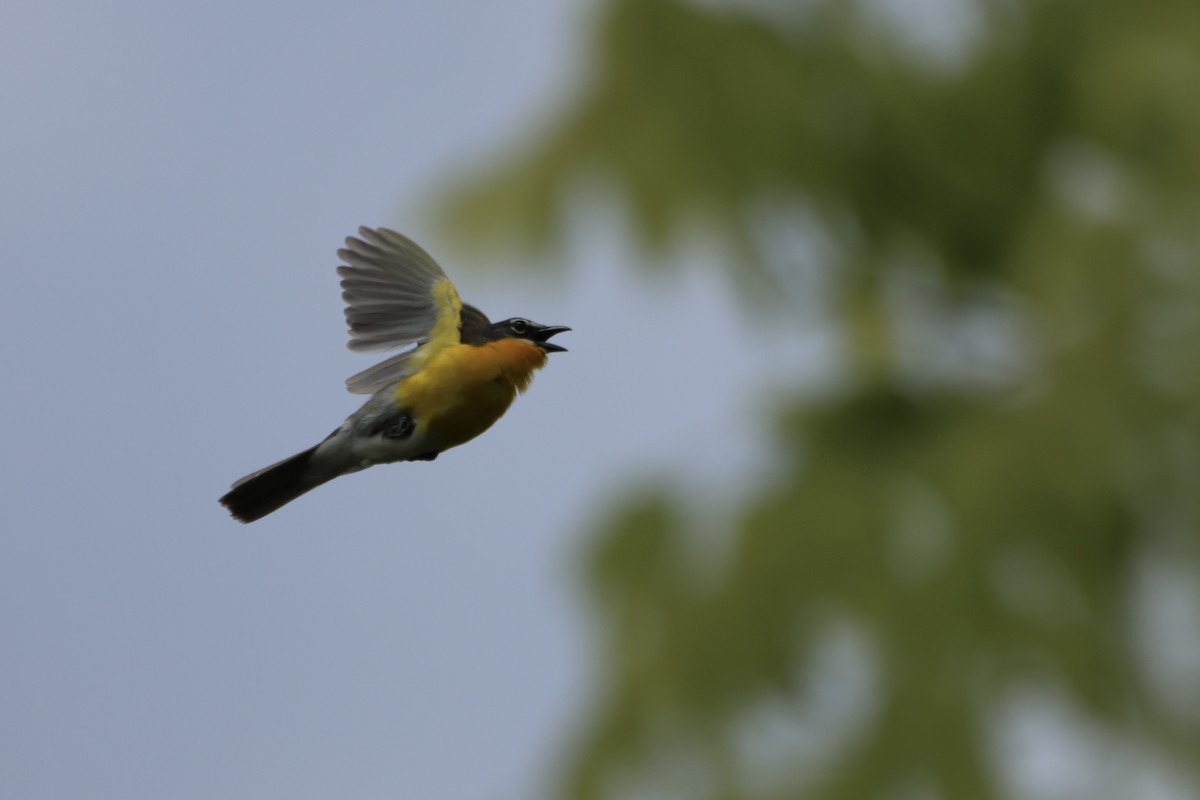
1009 223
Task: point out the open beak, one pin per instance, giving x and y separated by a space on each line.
541 337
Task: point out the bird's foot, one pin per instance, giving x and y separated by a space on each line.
402 428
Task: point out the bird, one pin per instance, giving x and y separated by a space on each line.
457 377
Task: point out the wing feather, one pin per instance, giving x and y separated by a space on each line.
396 295
374 378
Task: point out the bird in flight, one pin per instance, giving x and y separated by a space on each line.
461 376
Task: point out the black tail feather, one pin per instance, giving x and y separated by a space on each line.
260 493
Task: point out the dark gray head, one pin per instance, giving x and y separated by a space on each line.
477 330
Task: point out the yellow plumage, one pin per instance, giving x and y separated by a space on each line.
463 389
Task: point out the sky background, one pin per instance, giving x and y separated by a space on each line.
176 180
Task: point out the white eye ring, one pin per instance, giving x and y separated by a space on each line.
519 326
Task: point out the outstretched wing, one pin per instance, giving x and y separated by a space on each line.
389 290
372 379
395 295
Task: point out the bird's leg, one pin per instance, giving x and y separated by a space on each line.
402 428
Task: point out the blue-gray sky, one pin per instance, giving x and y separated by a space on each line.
176 179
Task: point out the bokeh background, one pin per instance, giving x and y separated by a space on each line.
871 473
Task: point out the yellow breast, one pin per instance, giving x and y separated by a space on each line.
463 389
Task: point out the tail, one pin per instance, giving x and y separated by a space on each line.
260 493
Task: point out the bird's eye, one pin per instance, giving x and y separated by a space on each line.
519 326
